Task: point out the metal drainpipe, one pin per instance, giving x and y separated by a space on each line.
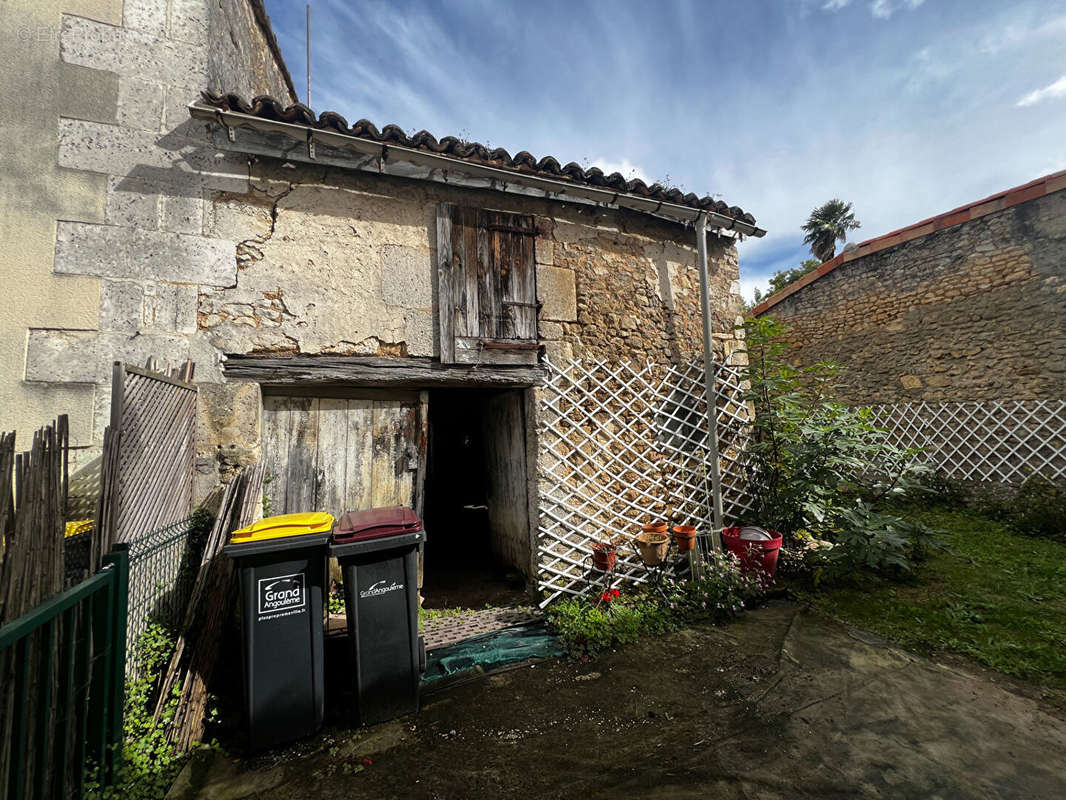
710 392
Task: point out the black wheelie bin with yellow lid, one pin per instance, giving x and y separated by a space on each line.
282 565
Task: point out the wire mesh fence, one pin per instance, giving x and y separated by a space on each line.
621 444
1000 441
163 567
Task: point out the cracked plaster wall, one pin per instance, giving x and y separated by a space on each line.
343 262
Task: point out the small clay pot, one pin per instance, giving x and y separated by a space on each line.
652 547
685 537
653 527
604 555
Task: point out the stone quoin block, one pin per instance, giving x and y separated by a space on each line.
107 251
121 306
140 104
132 203
189 21
182 213
57 356
184 164
169 307
557 290
130 53
146 16
544 251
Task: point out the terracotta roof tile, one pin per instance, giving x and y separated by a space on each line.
266 107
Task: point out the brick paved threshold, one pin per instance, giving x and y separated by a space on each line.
442 631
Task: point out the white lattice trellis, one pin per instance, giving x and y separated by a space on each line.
1004 441
622 443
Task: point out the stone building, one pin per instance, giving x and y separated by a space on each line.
969 305
371 313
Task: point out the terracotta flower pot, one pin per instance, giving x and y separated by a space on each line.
654 527
685 537
652 547
604 555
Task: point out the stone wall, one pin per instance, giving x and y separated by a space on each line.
116 221
343 263
244 56
976 311
37 87
180 249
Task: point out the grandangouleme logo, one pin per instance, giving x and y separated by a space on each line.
281 593
381 587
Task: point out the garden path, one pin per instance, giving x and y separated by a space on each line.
781 704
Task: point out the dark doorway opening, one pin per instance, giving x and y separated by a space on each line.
477 550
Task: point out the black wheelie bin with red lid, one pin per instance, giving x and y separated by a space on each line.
378 555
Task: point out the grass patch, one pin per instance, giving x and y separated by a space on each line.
992 595
433 614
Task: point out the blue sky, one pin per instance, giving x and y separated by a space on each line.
907 108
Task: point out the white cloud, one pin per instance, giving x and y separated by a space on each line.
1012 35
1051 91
628 169
835 5
883 9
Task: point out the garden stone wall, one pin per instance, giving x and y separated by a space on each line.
976 311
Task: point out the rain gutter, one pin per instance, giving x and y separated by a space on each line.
384 152
710 391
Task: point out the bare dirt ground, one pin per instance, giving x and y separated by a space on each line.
780 704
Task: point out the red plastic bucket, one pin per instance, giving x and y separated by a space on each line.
755 555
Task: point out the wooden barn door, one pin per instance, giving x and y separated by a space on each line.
353 450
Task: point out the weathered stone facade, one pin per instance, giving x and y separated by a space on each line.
974 311
343 263
128 252
200 251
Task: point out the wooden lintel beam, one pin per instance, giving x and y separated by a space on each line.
375 371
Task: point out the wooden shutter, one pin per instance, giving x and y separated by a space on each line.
486 286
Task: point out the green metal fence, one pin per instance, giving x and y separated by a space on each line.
163 567
62 726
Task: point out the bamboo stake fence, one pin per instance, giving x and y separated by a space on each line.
210 607
33 500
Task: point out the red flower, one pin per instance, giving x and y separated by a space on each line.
605 597
367 761
615 593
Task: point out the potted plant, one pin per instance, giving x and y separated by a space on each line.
604 555
652 543
757 548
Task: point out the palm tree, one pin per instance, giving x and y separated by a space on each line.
826 224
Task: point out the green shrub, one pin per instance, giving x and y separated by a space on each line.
149 762
591 626
1038 509
721 592
945 492
871 541
819 468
